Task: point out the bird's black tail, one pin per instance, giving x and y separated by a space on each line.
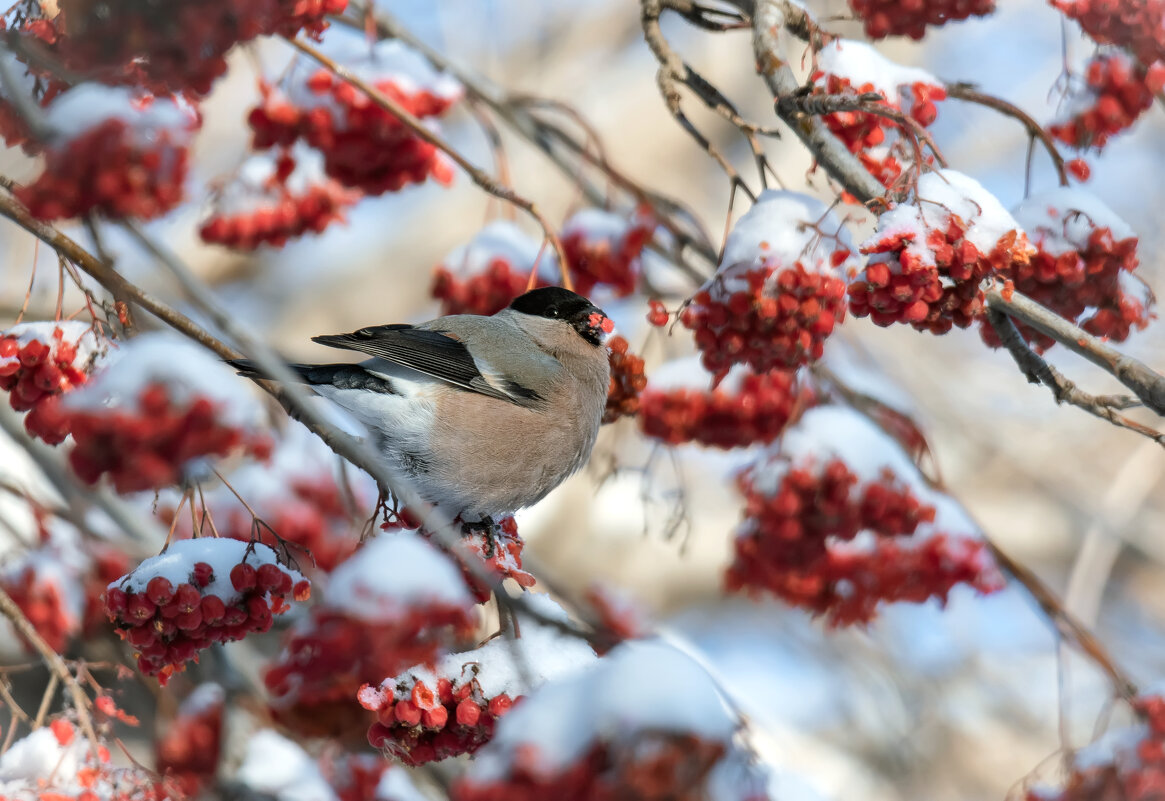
341 376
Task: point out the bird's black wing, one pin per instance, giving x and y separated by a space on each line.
430 352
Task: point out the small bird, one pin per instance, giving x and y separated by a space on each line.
485 415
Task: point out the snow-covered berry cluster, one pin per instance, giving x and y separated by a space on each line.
188 746
57 763
1137 26
603 248
1114 96
882 18
644 722
627 381
432 713
364 146
196 593
52 581
40 588
181 48
276 196
366 628
846 67
838 520
745 408
39 362
1125 763
160 405
1082 269
116 154
779 290
483 276
930 256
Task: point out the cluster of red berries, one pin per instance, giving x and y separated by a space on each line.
484 293
1117 94
418 724
169 624
332 654
627 381
1137 26
38 362
1122 764
188 747
1080 269
364 146
497 549
488 272
746 409
882 18
866 134
149 447
657 765
770 317
276 207
122 157
181 48
603 248
926 270
41 599
795 544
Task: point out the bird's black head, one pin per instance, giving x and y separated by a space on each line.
556 303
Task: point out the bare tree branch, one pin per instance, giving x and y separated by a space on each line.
1147 384
479 176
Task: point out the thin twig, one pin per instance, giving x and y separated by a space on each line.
967 92
672 71
1065 622
479 176
55 663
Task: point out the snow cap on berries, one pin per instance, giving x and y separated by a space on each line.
187 371
506 241
941 195
86 348
639 687
787 227
57 762
178 561
387 60
1063 219
147 118
861 63
392 574
276 767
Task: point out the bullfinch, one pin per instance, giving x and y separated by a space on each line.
485 415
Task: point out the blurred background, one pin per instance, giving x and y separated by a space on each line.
961 703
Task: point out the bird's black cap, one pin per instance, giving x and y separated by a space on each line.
556 303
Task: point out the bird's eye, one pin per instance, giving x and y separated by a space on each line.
554 312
